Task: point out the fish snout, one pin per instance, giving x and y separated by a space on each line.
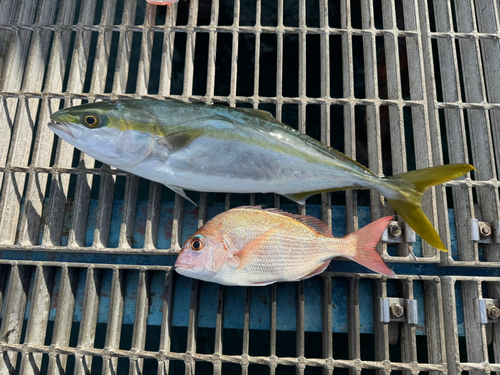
61 128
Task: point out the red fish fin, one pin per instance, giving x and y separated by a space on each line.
365 241
252 248
310 221
321 267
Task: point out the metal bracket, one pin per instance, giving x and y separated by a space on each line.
398 310
483 232
488 310
395 234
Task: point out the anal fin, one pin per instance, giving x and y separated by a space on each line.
181 192
321 267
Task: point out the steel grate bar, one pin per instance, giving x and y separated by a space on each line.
234 54
434 322
327 324
14 310
408 335
114 323
190 50
487 21
38 318
177 224
165 80
90 307
394 88
166 324
462 199
63 320
349 110
140 321
353 322
300 328
272 332
151 230
219 324
246 333
256 65
104 210
279 76
124 48
153 215
380 330
374 138
434 128
420 125
326 198
212 50
128 215
192 328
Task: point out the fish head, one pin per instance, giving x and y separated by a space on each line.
202 257
120 133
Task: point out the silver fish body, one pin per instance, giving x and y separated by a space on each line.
221 149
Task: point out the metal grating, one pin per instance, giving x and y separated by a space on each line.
396 84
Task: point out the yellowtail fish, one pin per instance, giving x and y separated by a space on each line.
235 150
255 246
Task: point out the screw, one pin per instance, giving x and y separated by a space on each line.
484 230
394 230
396 310
493 312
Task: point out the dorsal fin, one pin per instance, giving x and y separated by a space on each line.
257 112
310 221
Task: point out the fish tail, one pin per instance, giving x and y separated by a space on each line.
408 203
364 241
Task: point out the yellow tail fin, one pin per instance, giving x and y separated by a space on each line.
408 206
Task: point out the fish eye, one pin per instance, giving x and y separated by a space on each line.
198 243
91 121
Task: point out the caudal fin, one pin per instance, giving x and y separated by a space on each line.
409 202
365 240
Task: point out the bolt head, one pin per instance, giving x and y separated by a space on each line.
394 231
396 310
493 312
484 230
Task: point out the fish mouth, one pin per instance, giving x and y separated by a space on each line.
182 265
65 128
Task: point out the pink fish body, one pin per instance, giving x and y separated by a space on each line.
162 2
255 246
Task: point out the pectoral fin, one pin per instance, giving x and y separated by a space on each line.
178 140
181 192
251 249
